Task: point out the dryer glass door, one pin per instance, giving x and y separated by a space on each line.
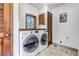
31 43
44 39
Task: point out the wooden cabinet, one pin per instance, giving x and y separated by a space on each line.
42 19
6 29
49 26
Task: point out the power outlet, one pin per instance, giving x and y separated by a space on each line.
60 41
67 37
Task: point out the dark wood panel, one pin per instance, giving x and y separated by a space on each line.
42 19
49 24
49 43
50 36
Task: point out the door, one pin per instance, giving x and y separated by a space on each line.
49 23
6 29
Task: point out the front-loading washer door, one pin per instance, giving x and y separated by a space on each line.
31 43
44 39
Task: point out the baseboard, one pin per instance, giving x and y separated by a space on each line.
78 52
56 44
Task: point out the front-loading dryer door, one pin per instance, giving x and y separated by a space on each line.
30 43
44 39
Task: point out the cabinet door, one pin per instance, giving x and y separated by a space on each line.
42 19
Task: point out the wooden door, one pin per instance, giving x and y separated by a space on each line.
49 24
6 29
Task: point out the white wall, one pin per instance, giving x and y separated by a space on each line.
15 29
27 8
69 29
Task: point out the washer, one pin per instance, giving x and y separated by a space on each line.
29 43
43 37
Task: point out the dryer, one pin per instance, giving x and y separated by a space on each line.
29 43
43 40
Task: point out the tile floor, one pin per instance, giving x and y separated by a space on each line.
59 50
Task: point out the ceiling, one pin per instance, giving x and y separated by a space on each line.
41 5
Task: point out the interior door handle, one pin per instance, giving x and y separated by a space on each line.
3 35
6 34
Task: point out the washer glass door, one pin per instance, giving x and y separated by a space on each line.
31 43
